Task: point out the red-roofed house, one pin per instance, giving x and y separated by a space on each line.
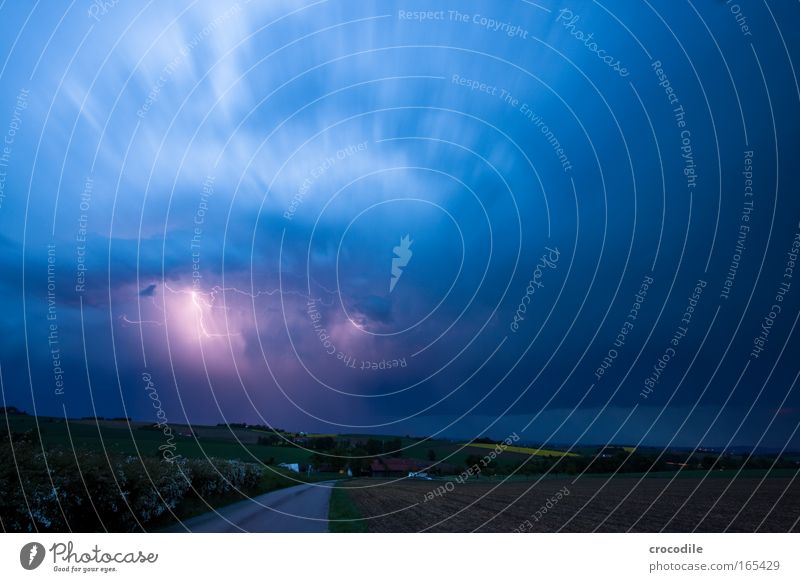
391 467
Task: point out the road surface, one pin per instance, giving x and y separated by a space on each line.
303 508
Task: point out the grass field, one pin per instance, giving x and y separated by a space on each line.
140 440
617 504
343 511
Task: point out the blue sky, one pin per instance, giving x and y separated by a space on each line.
241 173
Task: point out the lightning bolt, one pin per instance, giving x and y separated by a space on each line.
203 300
32 555
198 300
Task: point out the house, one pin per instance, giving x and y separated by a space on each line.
391 467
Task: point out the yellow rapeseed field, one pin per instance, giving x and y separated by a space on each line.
527 450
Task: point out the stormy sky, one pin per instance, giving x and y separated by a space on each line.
576 221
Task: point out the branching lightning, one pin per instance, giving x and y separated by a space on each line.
203 301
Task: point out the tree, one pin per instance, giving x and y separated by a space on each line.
431 455
323 443
269 440
473 460
374 447
395 445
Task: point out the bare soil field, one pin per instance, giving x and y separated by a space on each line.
598 504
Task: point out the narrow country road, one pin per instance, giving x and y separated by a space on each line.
303 508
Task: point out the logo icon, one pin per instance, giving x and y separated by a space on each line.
403 256
31 555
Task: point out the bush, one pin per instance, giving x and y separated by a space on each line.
85 490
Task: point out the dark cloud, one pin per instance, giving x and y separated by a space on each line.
244 256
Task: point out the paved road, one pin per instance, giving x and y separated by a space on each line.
303 508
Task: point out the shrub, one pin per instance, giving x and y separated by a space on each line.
85 490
